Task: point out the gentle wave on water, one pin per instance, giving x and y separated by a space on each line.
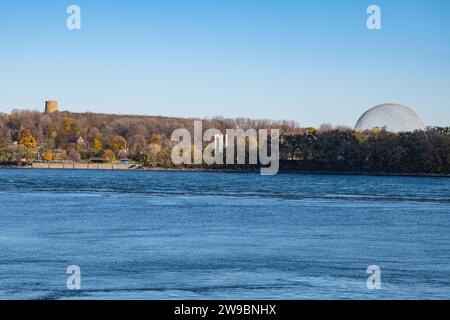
193 235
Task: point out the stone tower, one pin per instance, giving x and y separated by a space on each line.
51 106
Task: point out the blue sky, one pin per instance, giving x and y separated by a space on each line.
308 61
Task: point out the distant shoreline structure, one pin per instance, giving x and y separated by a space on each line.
51 106
391 117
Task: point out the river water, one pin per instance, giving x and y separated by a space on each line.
193 235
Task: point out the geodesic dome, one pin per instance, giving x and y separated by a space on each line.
391 117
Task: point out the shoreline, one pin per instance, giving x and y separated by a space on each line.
122 167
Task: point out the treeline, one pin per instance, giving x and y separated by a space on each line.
375 151
29 136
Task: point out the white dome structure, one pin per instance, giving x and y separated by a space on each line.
390 117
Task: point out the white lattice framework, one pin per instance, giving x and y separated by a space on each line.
391 117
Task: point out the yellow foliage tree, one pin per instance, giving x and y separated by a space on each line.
378 131
152 155
27 140
109 155
156 138
98 145
67 125
47 156
118 143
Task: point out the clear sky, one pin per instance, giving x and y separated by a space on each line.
308 61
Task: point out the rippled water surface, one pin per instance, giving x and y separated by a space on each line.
175 235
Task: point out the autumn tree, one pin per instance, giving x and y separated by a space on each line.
5 136
138 144
47 155
74 155
93 139
155 148
67 125
98 145
118 143
110 155
66 140
26 140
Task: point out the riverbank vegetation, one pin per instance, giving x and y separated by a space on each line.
28 136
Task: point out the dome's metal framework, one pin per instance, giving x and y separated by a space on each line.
390 117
